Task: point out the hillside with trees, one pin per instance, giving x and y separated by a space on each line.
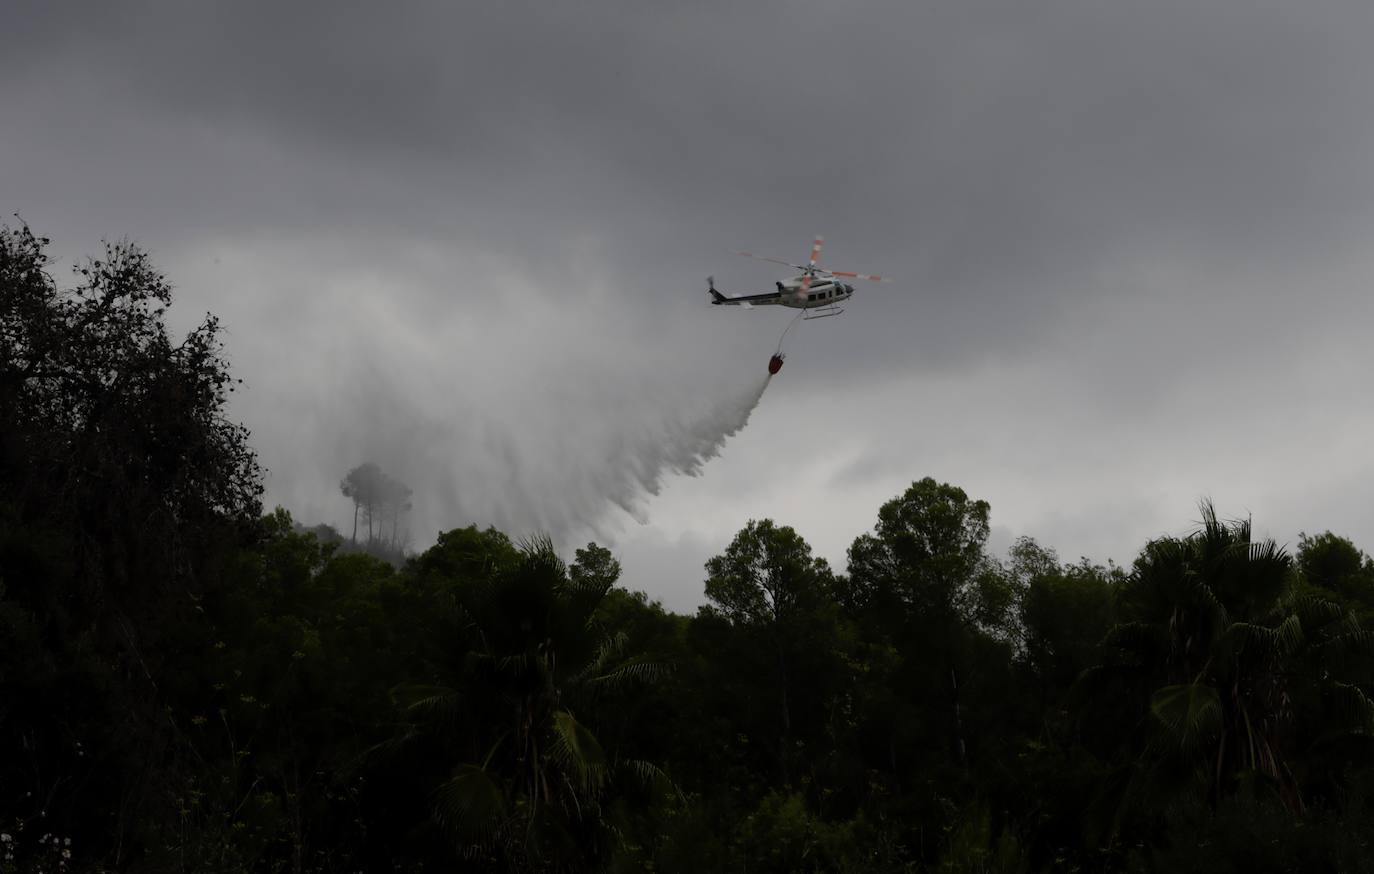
189 683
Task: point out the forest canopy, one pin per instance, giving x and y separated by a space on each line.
189 684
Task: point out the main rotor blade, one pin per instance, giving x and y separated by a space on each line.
810 270
859 275
774 260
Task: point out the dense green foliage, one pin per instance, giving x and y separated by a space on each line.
189 685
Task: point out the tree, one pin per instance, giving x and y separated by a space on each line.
595 567
108 420
767 581
925 551
396 500
913 579
124 488
1337 569
511 715
1219 648
462 557
1064 614
380 499
282 698
1329 561
364 485
766 576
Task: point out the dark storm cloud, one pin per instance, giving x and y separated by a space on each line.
1104 217
987 135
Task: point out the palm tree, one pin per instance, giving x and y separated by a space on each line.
1215 636
527 780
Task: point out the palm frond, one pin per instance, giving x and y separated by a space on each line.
578 753
1315 611
517 663
1348 646
471 805
1354 707
426 701
540 547
611 648
1277 642
651 775
1268 555
1205 597
1136 638
1190 712
641 670
1350 637
1289 635
389 746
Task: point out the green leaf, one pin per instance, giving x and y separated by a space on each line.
420 699
578 753
1271 643
1354 706
634 670
471 804
1190 712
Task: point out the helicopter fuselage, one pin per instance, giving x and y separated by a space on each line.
823 291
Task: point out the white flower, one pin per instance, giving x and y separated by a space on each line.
4 838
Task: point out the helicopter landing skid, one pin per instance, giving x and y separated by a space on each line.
822 312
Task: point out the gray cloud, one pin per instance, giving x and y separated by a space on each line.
471 242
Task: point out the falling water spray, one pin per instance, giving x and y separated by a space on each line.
680 445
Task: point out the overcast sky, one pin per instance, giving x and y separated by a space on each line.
469 242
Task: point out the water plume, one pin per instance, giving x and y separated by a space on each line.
678 445
562 414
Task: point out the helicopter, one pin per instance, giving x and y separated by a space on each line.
816 290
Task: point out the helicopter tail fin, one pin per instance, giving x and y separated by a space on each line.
716 297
